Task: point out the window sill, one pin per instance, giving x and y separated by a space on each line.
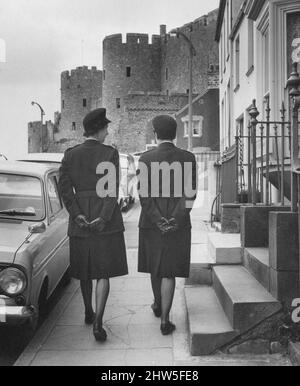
237 88
250 71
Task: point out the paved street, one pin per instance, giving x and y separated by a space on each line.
134 334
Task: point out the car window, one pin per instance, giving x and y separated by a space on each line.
21 194
54 198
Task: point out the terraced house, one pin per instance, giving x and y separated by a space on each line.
255 254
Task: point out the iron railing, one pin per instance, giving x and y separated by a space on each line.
268 154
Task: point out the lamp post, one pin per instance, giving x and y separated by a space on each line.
192 53
42 121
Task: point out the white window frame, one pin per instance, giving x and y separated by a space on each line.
197 119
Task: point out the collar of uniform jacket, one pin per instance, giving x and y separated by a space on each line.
166 144
91 141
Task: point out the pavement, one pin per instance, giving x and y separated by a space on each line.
134 337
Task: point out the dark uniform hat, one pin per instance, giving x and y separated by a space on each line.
95 121
165 127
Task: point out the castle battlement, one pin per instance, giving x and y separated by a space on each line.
201 22
131 39
81 72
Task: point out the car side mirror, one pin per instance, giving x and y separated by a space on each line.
38 228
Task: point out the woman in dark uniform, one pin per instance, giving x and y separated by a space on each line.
165 225
96 229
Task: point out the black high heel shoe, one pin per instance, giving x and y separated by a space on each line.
168 328
99 334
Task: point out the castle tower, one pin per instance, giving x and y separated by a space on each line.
81 92
175 56
129 67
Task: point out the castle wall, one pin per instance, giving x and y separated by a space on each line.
81 92
175 56
136 130
133 86
143 57
40 137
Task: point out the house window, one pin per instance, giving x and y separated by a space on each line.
237 62
118 103
250 45
74 126
128 72
197 126
63 104
104 74
84 103
167 74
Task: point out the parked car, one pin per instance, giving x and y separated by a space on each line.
34 247
127 190
128 184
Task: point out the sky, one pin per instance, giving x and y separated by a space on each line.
45 37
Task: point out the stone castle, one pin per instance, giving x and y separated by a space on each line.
141 78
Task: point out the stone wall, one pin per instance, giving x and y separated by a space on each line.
175 56
40 137
133 85
135 130
81 92
128 67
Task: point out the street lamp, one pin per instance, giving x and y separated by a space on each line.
192 52
42 121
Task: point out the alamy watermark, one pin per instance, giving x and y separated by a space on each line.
296 311
157 180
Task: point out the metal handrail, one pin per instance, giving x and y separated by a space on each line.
212 208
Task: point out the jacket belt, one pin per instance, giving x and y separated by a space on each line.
87 194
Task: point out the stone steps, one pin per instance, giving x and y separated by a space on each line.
209 328
201 266
235 304
257 262
225 248
244 300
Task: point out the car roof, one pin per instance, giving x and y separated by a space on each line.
44 157
27 168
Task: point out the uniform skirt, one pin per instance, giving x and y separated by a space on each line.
98 257
165 256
